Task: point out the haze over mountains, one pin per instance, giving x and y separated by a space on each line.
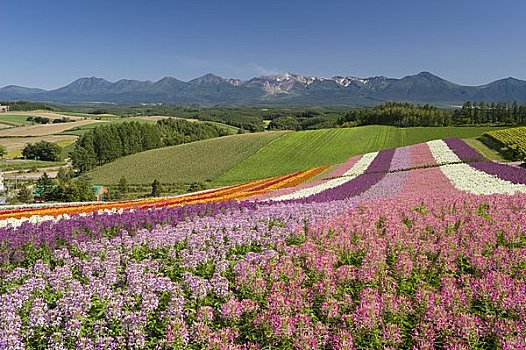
284 89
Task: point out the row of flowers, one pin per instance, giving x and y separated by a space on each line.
466 177
15 217
502 171
443 165
424 272
357 169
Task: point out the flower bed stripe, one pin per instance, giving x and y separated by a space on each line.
357 169
341 169
237 192
426 179
466 178
359 184
505 172
391 184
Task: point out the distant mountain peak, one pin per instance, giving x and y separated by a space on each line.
207 79
284 88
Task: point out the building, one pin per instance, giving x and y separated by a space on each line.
4 109
100 192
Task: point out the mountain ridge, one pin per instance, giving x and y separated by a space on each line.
285 89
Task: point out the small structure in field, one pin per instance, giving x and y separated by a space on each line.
4 109
101 192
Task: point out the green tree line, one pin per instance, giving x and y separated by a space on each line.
398 114
106 143
494 113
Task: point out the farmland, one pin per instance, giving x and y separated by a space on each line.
192 162
292 152
302 150
13 120
510 142
42 130
413 247
14 144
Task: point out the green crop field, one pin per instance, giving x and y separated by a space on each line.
192 162
307 149
13 120
511 143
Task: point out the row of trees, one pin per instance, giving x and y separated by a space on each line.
45 120
398 114
494 113
104 144
406 115
28 106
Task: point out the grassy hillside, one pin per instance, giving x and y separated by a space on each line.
187 163
302 150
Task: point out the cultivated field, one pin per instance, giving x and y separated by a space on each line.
49 115
294 151
418 247
13 120
301 150
17 143
44 129
512 142
187 163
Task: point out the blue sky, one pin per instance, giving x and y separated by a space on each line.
50 43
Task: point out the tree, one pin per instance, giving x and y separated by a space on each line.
64 175
42 150
24 195
156 188
45 187
3 151
83 158
122 188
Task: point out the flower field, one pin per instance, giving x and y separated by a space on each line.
419 247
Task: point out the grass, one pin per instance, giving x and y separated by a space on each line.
487 152
80 130
14 120
307 149
16 165
199 161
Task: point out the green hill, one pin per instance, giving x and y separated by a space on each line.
307 149
241 158
187 163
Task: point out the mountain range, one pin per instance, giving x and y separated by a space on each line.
281 89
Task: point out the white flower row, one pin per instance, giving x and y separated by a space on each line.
466 178
442 153
359 168
36 219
